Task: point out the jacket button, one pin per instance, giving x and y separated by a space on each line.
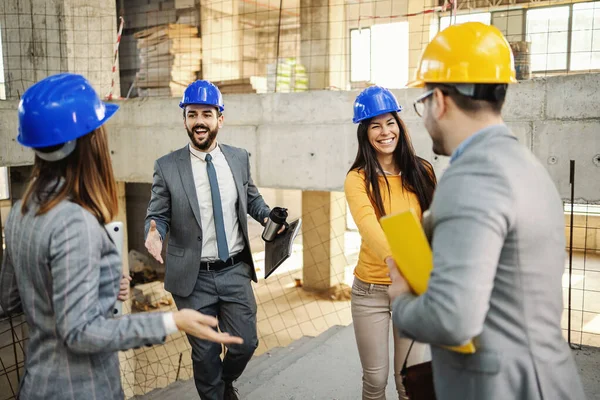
199 238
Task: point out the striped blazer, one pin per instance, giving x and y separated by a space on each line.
63 271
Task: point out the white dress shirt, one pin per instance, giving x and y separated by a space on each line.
229 198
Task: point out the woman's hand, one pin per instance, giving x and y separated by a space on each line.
124 288
202 326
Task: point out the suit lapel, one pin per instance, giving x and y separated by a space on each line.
235 167
184 165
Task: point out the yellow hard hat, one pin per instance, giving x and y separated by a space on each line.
466 53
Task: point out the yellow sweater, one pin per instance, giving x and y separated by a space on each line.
374 249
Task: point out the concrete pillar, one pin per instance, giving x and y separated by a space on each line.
420 32
313 42
323 43
338 73
222 40
323 229
41 38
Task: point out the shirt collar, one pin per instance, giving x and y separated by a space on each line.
202 155
465 143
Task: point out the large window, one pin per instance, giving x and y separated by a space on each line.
585 36
380 54
548 32
565 38
360 55
485 18
389 63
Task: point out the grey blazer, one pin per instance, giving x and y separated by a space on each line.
63 271
174 207
499 257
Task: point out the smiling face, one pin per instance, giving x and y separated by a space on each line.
202 123
383 133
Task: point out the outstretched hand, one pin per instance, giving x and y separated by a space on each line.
154 242
202 326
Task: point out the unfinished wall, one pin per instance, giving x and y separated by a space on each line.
45 37
307 141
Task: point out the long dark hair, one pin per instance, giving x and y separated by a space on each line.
417 173
88 179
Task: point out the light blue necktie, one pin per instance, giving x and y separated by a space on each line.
217 209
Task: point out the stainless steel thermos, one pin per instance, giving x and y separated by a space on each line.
276 220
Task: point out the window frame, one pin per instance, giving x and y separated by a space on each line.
577 71
568 52
350 53
544 72
439 19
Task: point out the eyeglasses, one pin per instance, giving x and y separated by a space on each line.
419 103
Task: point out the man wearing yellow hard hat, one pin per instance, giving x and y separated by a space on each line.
497 231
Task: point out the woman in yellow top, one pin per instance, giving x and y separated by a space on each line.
387 177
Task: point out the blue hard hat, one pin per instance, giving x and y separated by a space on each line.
202 92
374 101
59 109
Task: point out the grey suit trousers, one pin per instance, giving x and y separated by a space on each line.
227 295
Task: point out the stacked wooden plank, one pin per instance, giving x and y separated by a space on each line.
170 57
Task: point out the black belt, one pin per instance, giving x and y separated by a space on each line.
220 264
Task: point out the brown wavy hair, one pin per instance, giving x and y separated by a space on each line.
88 179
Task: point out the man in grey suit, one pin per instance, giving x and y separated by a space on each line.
201 196
497 237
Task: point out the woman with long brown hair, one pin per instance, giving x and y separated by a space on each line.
60 266
387 177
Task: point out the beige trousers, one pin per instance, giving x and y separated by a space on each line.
371 315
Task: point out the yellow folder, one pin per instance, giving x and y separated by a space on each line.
413 255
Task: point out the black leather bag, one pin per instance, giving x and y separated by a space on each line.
417 379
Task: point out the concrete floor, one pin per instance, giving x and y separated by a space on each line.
287 313
330 370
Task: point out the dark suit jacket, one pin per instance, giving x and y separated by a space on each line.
174 208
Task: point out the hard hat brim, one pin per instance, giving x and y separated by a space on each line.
416 84
109 110
419 83
182 105
385 111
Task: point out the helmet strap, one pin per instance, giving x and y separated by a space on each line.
59 154
482 91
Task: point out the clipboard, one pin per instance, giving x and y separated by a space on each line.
413 255
280 249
